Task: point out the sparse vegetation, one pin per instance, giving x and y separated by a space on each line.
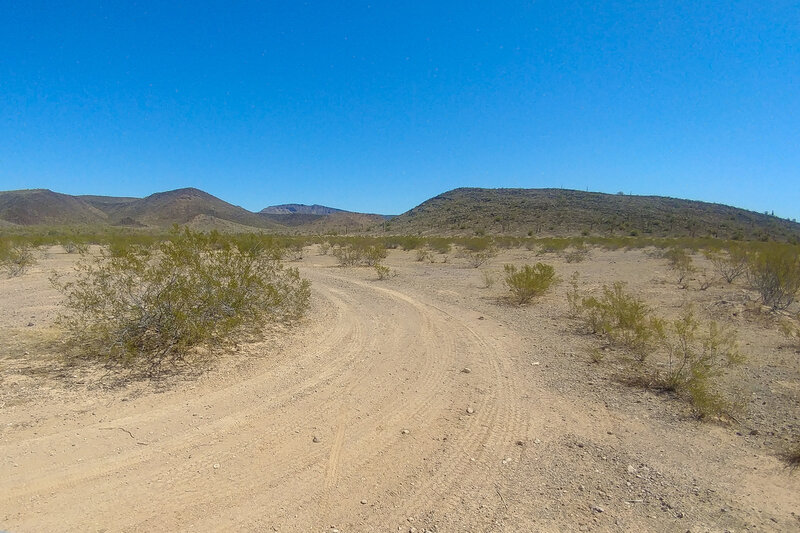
695 354
622 318
149 306
382 271
680 262
791 330
489 279
774 271
695 358
528 281
16 259
348 254
730 264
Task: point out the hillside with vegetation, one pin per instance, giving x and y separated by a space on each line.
562 212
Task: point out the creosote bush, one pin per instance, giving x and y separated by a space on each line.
774 272
621 317
695 354
730 264
382 271
679 261
16 259
528 281
695 357
147 306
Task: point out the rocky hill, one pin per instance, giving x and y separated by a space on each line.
542 212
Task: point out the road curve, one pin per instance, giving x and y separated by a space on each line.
360 422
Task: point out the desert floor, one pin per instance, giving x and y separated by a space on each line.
420 402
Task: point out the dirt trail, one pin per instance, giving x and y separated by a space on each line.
360 423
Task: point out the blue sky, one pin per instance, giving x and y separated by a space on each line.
376 106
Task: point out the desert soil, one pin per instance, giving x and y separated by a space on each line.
424 402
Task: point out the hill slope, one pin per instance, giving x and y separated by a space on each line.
569 212
181 206
299 209
43 206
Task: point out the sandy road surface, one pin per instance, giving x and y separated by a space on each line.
376 362
360 422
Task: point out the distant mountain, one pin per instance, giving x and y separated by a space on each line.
43 206
181 206
160 210
320 219
299 209
467 211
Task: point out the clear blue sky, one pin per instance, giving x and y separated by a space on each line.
377 106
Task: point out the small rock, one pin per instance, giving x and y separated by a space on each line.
631 469
537 441
536 363
216 466
598 509
466 370
506 460
315 439
754 432
480 318
30 324
404 432
470 410
363 502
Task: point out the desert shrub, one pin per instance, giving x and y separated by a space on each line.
440 245
382 271
293 251
373 254
791 330
489 279
424 255
74 246
16 259
324 248
528 281
409 242
348 254
694 359
577 254
774 271
731 264
623 318
679 261
153 305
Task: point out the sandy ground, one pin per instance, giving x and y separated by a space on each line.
363 417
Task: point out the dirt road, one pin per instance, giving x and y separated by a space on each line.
388 409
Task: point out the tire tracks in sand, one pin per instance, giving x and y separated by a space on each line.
379 361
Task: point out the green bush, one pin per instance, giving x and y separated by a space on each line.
695 358
382 271
791 330
528 281
622 318
374 254
151 305
680 261
731 264
16 259
478 257
774 271
348 254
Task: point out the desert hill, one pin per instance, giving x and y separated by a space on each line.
181 206
569 212
42 206
299 209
